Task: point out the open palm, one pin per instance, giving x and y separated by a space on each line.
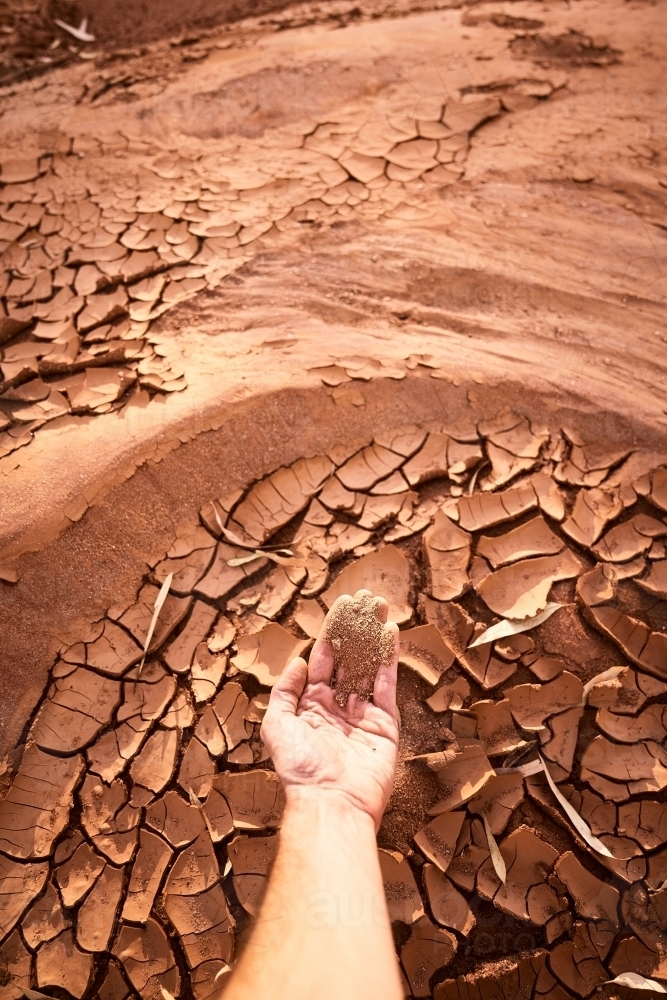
315 742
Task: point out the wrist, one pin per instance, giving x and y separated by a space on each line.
330 804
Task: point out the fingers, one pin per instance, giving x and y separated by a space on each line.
384 690
380 606
355 709
289 687
320 663
381 609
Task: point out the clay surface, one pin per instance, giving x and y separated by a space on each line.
175 766
295 301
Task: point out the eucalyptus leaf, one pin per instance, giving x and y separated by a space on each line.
580 825
532 767
507 627
606 675
240 544
243 560
157 607
637 982
496 857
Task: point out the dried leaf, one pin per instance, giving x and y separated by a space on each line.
516 755
166 994
244 559
276 557
496 857
229 535
532 767
507 627
194 801
240 544
34 995
606 675
473 481
81 33
631 979
159 601
580 825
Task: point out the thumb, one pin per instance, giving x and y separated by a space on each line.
289 687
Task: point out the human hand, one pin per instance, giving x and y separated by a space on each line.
317 744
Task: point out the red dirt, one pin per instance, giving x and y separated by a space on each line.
523 269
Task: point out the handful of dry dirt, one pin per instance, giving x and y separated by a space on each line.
360 642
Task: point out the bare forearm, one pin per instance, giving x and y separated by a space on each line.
323 930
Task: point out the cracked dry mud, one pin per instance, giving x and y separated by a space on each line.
346 296
141 822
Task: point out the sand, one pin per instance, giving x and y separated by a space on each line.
360 644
